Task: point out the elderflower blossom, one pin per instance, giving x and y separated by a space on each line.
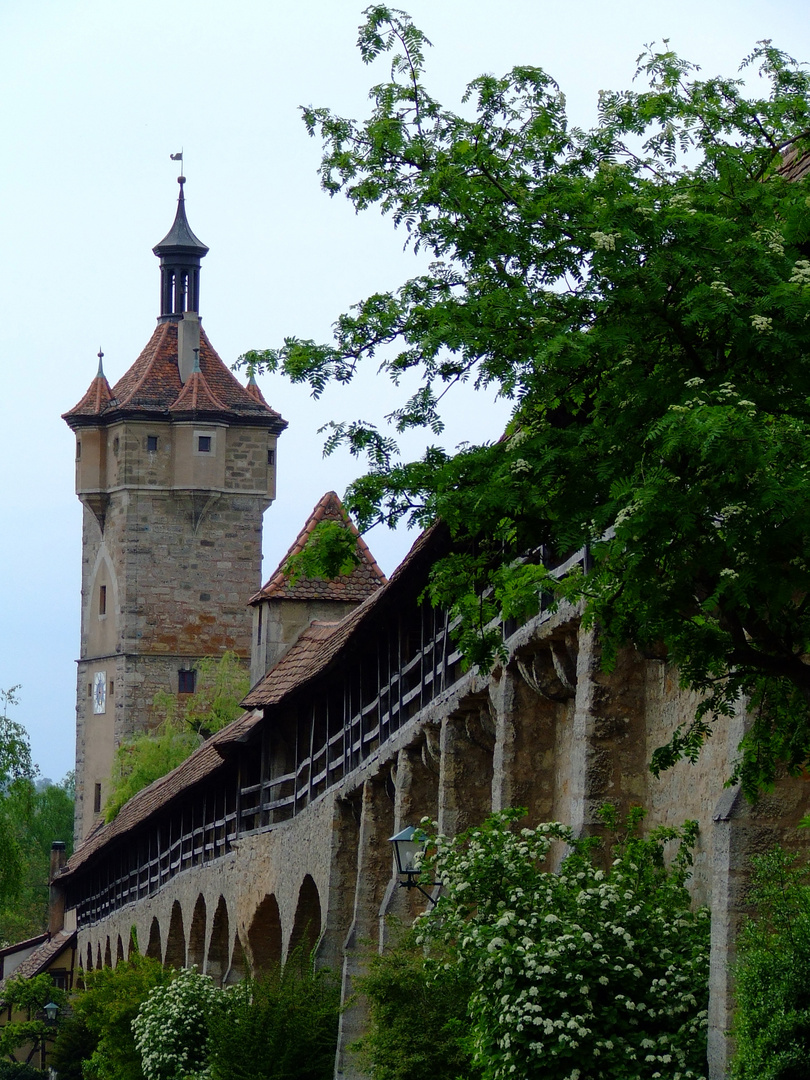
762 323
605 241
801 272
721 287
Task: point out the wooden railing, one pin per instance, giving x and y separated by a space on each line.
335 725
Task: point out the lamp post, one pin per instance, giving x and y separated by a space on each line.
409 844
51 1011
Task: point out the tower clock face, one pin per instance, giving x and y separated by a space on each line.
100 692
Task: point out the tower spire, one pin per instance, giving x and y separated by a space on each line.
180 252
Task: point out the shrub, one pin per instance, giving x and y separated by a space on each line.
282 1026
171 1028
772 1025
12 1070
418 1015
108 1004
588 972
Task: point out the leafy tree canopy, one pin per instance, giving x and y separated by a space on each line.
17 773
641 292
187 720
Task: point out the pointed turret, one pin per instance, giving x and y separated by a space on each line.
96 398
180 252
283 608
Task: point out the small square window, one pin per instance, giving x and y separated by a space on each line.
204 444
185 682
97 799
152 443
102 600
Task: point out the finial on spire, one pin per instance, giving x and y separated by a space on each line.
100 355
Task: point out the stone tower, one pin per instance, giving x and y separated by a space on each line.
175 466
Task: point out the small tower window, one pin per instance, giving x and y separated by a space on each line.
116 445
271 457
259 625
185 682
151 444
97 799
102 600
78 450
204 444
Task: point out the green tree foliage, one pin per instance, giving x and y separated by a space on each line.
107 1006
418 1025
587 972
641 292
19 1071
171 1028
772 1024
38 813
74 1044
186 721
16 774
281 1026
32 815
27 998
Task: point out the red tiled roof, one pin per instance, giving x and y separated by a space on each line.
360 582
95 400
152 385
38 961
314 651
197 396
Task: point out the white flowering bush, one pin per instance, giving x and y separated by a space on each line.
171 1028
590 972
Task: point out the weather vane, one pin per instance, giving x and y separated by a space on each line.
178 157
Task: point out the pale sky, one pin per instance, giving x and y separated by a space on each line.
95 96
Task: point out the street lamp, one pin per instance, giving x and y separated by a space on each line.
409 844
50 1010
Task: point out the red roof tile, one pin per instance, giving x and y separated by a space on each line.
38 961
96 399
197 396
152 385
359 583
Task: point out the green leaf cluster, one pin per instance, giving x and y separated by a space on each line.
32 815
185 721
641 292
418 1022
772 1022
28 997
106 1007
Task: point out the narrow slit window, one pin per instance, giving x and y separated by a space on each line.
78 450
185 682
204 444
102 600
271 457
97 799
259 625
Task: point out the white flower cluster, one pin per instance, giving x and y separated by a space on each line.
582 971
171 1027
762 323
721 287
772 239
605 241
801 272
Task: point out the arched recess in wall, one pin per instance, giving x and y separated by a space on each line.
119 952
176 941
196 935
264 935
108 954
89 964
307 925
153 948
238 969
98 955
220 945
